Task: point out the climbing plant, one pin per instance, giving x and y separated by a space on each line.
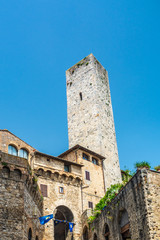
110 195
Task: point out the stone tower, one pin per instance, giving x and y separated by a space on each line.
90 115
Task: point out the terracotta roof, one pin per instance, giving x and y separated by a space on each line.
83 149
57 158
6 130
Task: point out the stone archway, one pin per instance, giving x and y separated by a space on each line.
85 233
124 225
61 230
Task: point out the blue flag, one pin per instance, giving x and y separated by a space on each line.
71 226
45 219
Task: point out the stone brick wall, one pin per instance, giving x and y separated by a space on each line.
53 163
152 196
71 198
90 115
140 198
93 189
20 201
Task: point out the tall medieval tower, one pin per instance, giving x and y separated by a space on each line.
90 115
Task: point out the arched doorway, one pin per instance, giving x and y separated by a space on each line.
124 225
106 232
85 233
30 234
61 230
95 237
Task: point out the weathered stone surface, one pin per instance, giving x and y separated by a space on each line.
90 115
20 202
141 199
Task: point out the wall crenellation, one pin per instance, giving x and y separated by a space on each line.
59 176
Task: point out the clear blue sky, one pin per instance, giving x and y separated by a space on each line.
41 39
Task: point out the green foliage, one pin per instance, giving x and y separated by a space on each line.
109 196
157 168
142 164
127 175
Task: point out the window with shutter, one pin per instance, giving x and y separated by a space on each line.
87 175
44 190
90 205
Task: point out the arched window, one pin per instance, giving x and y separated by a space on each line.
106 232
30 234
12 150
23 153
36 237
124 225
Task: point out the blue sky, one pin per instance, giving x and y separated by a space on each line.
41 39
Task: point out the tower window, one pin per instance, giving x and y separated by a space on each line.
85 157
61 189
87 175
80 94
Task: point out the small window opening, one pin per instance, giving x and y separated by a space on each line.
94 161
48 160
66 168
85 157
90 205
87 175
80 94
61 189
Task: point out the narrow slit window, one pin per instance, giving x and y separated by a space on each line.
61 190
87 175
80 94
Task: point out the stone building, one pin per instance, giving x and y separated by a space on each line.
69 183
34 184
